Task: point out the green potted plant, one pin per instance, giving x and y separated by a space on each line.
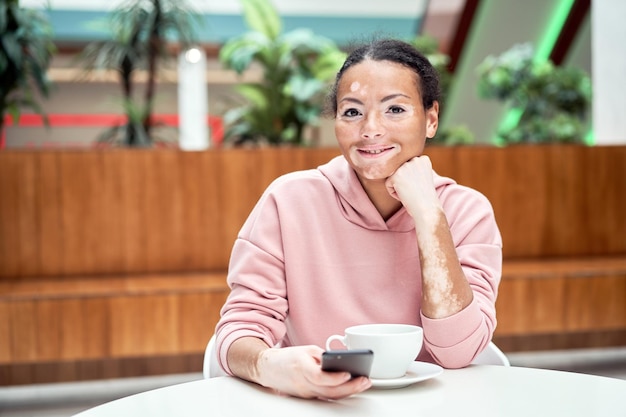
26 49
297 67
551 102
141 35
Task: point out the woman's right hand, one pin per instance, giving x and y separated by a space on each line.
296 371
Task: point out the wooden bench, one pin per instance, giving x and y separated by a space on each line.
562 213
107 326
562 304
113 263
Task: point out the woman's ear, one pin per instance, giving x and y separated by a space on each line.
432 120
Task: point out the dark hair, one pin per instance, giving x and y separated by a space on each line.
397 51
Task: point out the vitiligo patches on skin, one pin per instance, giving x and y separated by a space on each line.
438 287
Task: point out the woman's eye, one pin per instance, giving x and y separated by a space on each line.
396 109
351 113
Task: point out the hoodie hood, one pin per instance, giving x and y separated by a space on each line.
356 206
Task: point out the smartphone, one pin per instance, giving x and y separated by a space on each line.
356 361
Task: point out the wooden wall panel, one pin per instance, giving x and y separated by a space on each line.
22 317
9 185
72 324
605 193
581 219
199 315
92 330
318 156
160 325
595 303
144 325
504 175
530 306
549 200
126 326
79 231
133 211
50 214
110 317
201 247
168 242
574 296
153 213
443 160
134 186
523 214
275 164
565 191
82 211
48 315
217 247
112 213
18 214
27 220
5 333
242 185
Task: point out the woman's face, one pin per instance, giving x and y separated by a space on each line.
381 122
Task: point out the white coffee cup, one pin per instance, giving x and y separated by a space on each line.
395 346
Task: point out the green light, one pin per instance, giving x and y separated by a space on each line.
542 53
589 138
511 119
546 44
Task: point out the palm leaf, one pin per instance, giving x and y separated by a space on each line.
4 16
239 52
261 16
328 64
303 88
26 48
256 94
296 69
13 50
141 30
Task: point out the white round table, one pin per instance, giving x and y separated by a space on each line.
474 391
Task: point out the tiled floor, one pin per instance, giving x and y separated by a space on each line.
63 400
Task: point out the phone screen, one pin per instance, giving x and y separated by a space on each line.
357 361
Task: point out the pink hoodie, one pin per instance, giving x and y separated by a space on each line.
315 257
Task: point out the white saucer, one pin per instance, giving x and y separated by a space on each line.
418 371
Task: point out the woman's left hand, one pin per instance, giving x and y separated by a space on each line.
412 184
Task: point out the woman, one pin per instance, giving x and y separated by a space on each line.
373 236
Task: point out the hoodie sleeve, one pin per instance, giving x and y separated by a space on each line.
455 341
257 304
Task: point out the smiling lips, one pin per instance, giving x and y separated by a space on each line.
374 151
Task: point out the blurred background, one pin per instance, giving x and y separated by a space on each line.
137 135
464 33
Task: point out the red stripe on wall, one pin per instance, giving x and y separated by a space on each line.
104 120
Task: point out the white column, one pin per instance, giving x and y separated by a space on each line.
193 100
608 40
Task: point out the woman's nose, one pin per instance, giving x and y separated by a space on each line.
372 127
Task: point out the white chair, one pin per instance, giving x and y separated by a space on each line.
211 368
492 355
